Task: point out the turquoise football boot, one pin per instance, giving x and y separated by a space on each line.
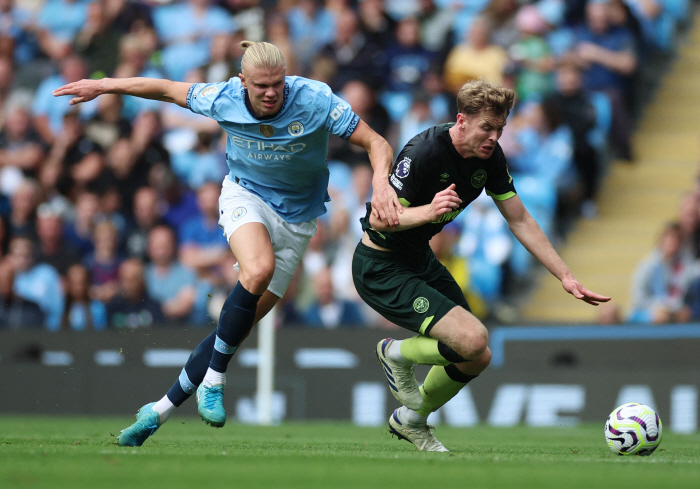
147 423
210 404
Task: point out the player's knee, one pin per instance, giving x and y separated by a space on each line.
479 342
474 342
476 365
483 360
256 276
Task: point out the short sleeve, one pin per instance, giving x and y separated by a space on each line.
499 184
340 119
204 98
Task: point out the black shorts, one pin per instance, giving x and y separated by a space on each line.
413 292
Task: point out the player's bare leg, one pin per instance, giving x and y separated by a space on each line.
252 247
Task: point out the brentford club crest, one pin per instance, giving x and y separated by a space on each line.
266 130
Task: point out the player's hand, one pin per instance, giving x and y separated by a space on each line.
385 203
444 201
84 90
573 287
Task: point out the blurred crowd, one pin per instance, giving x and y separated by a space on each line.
109 209
666 283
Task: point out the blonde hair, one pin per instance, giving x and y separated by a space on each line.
478 95
261 55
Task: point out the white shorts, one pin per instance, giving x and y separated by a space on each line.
238 206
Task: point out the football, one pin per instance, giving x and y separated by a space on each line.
633 429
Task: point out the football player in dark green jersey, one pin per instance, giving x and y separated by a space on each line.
436 175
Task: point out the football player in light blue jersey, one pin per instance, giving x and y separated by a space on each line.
278 129
280 158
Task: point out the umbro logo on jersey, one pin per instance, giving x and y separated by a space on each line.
444 177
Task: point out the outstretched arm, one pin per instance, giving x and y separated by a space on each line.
385 202
623 62
444 201
151 88
528 232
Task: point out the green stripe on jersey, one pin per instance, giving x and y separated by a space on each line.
426 323
505 196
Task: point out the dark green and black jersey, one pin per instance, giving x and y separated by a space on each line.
428 164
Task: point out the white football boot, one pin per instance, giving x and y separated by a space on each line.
420 435
401 378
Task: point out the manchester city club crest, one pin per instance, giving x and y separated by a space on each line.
266 130
421 305
237 213
479 178
403 167
296 128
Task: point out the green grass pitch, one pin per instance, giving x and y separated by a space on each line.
75 453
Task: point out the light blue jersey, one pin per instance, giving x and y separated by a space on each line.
281 159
